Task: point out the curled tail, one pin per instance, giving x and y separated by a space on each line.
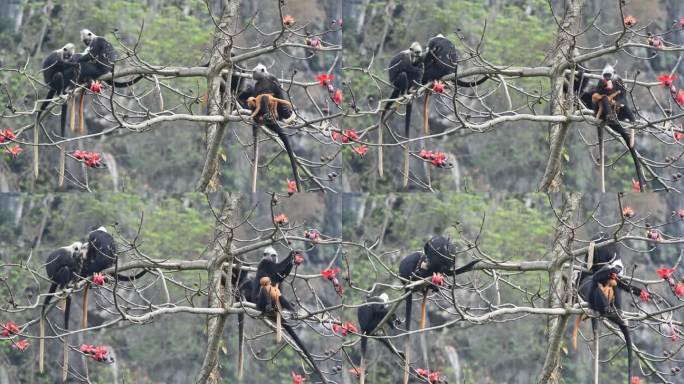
466 268
286 142
299 343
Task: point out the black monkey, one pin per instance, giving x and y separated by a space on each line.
266 83
441 59
436 258
100 255
59 72
62 268
369 317
599 287
609 101
405 72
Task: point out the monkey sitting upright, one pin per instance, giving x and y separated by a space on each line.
266 102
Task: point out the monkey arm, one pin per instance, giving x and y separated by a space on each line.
628 287
257 109
283 269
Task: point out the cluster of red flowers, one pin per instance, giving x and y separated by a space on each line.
99 279
644 295
95 87
281 219
326 80
288 20
360 150
331 274
291 187
627 212
655 41
654 234
344 329
297 378
298 259
678 95
630 20
98 353
666 274
91 159
437 158
635 380
7 135
313 42
437 279
10 329
312 235
346 136
432 377
438 87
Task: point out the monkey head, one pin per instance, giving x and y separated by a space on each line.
265 281
251 102
76 249
608 72
270 253
67 51
383 296
416 52
87 36
259 72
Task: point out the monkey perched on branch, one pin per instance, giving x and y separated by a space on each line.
266 101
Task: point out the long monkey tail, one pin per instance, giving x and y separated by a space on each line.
299 343
407 134
632 150
84 318
423 310
241 344
407 352
426 122
364 347
255 156
65 365
62 120
41 341
628 343
286 142
81 122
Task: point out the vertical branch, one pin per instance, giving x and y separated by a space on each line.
221 253
560 288
220 59
565 41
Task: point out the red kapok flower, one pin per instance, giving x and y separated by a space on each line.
655 41
351 135
438 87
100 353
644 295
298 259
360 150
7 135
654 234
21 345
87 349
351 327
95 87
80 155
93 160
336 328
356 371
667 80
679 98
288 20
313 43
635 380
335 136
680 213
280 219
630 20
291 187
99 279
422 372
14 150
425 154
678 135
337 97
627 212
8 329
679 289
434 377
636 185
665 273
329 273
681 22
437 279
324 78
439 159
312 234
297 379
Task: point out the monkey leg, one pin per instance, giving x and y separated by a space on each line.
423 310
65 366
84 318
575 330
255 156
81 122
